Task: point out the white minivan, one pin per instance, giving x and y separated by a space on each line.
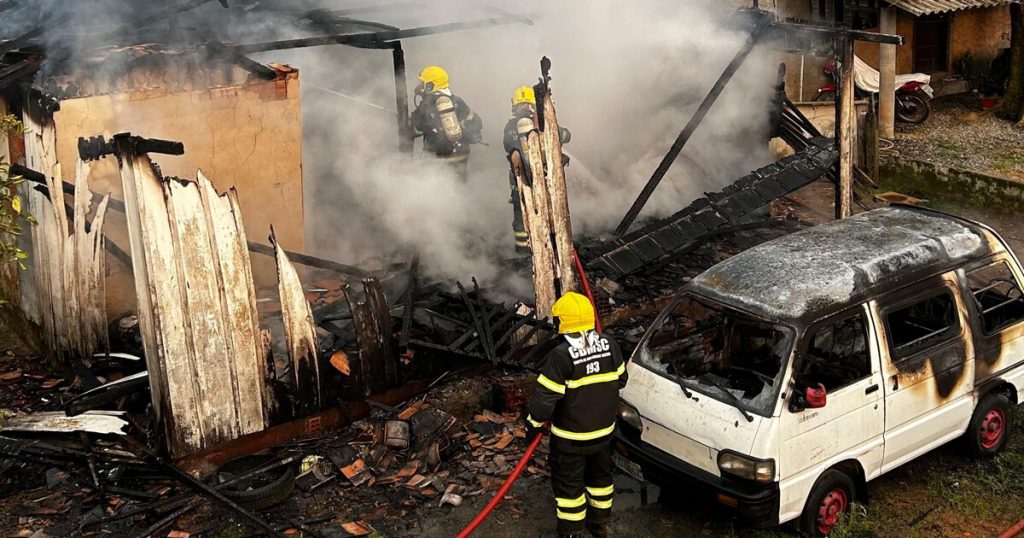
785 378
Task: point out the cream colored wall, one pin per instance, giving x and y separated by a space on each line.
247 136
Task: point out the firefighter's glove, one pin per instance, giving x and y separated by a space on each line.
533 428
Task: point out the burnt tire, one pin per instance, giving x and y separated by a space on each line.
269 492
827 503
989 428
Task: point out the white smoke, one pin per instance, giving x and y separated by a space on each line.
626 77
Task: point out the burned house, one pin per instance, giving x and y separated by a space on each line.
168 183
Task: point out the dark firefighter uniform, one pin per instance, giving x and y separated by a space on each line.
446 122
578 392
523 120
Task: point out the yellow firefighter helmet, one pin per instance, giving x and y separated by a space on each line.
435 76
574 312
524 94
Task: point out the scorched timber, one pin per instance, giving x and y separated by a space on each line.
662 239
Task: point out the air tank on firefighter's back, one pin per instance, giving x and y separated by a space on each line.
449 120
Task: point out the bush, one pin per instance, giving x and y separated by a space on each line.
976 69
11 205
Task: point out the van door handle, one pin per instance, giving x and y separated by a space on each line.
895 382
872 388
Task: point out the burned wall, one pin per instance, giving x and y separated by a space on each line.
245 135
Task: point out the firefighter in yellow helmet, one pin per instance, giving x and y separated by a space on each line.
446 122
578 393
523 120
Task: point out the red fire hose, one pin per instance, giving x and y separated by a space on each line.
586 288
504 488
1014 530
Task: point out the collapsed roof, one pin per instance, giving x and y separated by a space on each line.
48 36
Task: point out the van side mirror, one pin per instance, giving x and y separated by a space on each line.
816 397
811 398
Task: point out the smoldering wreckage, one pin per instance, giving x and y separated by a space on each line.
371 392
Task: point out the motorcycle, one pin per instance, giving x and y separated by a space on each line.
913 91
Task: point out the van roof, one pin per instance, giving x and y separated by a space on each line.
815 272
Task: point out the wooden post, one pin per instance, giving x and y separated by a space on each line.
846 127
536 207
561 227
887 76
871 131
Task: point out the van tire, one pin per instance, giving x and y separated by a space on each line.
829 500
990 425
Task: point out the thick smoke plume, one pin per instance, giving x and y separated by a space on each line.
625 80
626 76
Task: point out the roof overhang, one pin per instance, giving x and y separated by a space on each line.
929 7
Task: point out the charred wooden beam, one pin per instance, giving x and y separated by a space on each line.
405 130
372 38
93 148
691 126
410 303
311 261
795 28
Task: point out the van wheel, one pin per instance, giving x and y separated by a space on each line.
989 428
829 501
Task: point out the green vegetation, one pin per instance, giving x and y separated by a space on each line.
11 205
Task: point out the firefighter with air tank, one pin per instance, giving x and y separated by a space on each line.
445 121
577 393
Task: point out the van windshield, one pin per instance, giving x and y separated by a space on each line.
709 348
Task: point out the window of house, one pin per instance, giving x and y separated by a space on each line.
921 324
998 296
837 354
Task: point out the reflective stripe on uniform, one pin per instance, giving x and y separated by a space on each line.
522 234
582 436
600 492
533 423
571 516
596 378
571 503
601 504
550 385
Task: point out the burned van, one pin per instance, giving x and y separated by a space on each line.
785 378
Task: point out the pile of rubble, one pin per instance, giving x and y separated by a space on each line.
458 440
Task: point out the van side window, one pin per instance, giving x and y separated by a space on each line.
920 324
998 296
837 354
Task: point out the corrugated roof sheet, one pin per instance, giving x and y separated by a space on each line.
927 7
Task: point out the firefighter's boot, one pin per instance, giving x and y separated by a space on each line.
598 530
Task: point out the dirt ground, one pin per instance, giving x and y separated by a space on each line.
960 134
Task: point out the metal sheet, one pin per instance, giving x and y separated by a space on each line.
101 422
300 334
928 7
204 351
